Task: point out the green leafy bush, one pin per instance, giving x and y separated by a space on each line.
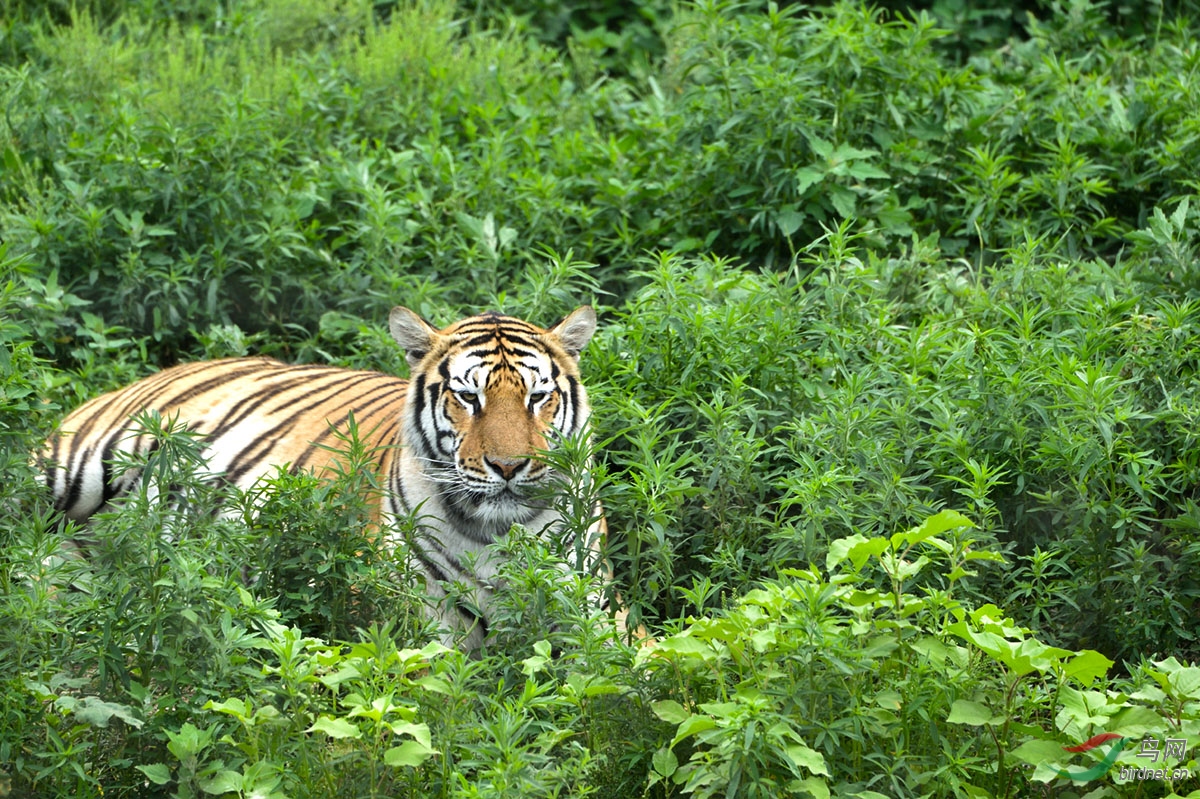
876 680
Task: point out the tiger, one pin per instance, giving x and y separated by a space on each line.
454 445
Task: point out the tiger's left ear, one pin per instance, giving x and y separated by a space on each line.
412 333
575 330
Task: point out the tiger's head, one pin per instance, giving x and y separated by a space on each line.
486 393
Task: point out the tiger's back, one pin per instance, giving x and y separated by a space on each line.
254 414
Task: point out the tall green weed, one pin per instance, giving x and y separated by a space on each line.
744 454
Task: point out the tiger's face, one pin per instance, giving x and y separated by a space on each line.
486 394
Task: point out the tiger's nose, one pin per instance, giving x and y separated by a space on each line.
507 468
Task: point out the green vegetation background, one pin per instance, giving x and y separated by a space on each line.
858 267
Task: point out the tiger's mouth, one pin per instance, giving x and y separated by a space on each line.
506 494
511 502
491 501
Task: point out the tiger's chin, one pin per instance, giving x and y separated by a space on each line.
499 510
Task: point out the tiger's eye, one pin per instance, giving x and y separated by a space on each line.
468 397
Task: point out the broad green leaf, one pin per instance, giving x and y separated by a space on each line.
435 685
1032 655
1184 684
336 728
716 630
1048 772
1165 668
157 773
1039 750
839 549
747 694
1149 693
990 643
789 221
813 786
601 686
344 674
843 200
409 753
419 732
892 700
1135 721
670 711
1087 666
1179 217
379 707
808 176
533 664
903 569
96 712
723 709
939 544
809 758
473 226
870 597
434 649
1083 710
819 146
771 598
189 741
259 778
940 653
845 152
860 553
857 548
1020 657
765 639
664 762
935 525
685 645
548 740
866 171
958 572
691 726
233 706
972 714
223 782
983 554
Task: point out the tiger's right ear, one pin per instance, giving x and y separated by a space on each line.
575 330
412 333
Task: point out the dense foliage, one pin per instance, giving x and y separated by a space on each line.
897 415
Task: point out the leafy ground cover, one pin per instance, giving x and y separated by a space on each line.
896 403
